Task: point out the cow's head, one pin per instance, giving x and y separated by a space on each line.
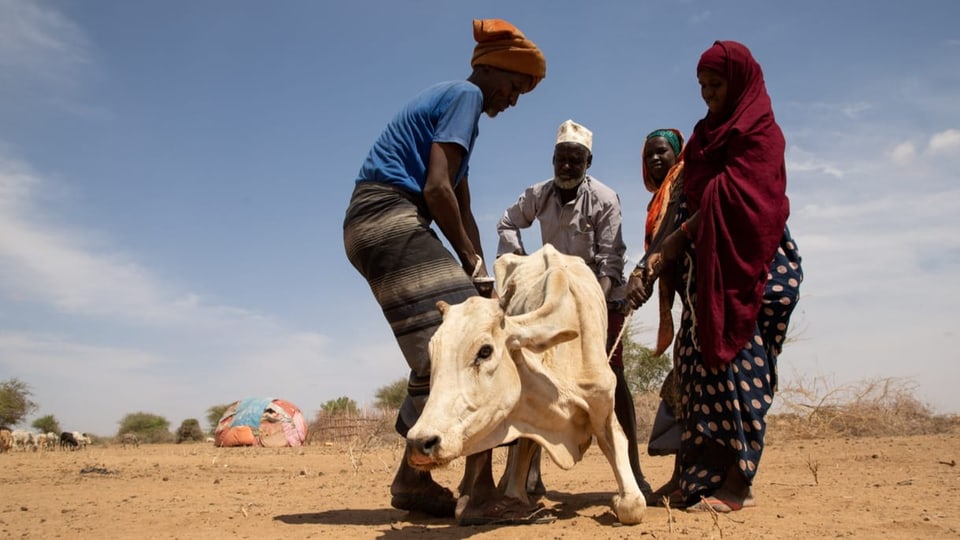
474 380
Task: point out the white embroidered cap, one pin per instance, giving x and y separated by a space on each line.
571 131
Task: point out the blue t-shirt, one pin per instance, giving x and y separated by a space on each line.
448 112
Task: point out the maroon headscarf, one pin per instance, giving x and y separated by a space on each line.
735 176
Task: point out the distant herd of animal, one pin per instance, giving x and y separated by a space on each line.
24 441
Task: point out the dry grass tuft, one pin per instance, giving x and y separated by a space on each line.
870 408
377 436
814 467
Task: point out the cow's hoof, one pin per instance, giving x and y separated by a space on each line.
629 508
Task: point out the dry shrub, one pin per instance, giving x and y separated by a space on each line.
645 405
878 407
358 432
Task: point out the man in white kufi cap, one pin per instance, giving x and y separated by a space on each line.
580 216
570 137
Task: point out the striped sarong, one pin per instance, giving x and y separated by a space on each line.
388 239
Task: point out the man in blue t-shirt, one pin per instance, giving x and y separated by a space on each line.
416 174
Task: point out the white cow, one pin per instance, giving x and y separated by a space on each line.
46 441
83 439
532 366
24 440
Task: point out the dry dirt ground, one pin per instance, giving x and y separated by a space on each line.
894 487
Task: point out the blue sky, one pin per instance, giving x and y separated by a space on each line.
173 177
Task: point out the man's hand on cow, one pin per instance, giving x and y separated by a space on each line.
473 265
654 267
638 290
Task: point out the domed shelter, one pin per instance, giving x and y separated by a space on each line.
266 422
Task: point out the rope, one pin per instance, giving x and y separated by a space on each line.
623 329
476 269
693 311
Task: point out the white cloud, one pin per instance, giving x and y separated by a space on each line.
701 17
62 267
38 44
945 143
853 110
115 339
799 160
884 244
48 354
903 153
879 295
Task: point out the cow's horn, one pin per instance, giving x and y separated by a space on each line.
507 295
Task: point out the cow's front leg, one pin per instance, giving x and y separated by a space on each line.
629 503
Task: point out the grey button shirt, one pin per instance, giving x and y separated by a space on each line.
589 226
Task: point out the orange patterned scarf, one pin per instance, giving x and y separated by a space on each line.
657 210
658 204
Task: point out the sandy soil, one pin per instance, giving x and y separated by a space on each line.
901 487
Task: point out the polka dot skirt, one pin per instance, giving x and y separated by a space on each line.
722 410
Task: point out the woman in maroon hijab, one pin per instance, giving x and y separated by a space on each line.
740 273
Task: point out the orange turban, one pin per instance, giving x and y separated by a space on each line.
502 45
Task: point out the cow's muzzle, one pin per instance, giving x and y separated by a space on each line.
422 452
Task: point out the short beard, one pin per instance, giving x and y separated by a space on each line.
568 184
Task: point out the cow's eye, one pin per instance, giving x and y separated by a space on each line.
484 352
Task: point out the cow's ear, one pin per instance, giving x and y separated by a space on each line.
539 338
442 307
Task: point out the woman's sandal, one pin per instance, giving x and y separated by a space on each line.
509 511
717 505
675 499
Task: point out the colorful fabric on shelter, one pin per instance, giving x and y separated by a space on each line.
266 422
